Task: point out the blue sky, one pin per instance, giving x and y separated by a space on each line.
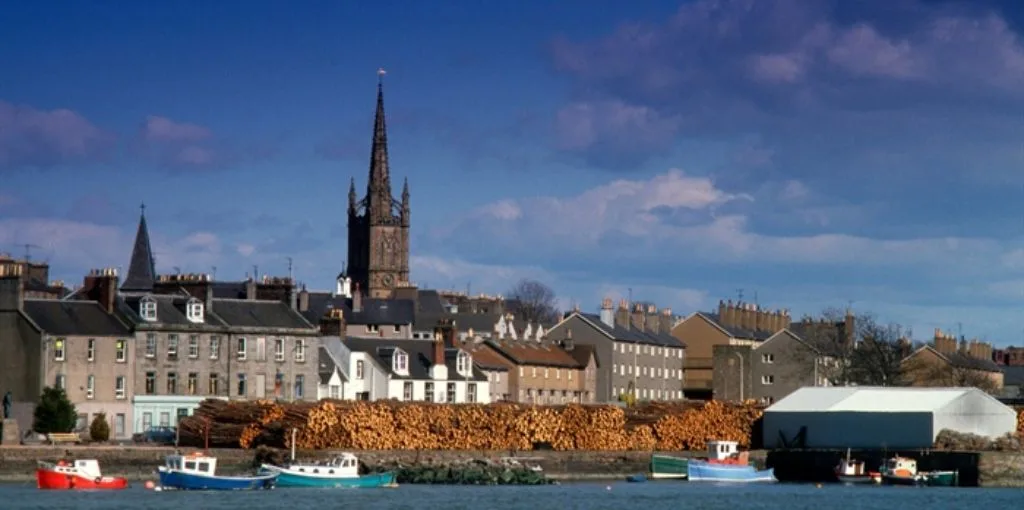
813 154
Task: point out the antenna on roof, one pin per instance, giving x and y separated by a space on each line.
739 293
213 274
289 267
755 297
255 272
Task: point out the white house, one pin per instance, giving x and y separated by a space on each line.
411 370
331 371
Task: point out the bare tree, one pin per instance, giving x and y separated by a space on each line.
852 349
937 372
535 301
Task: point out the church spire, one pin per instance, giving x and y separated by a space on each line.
141 270
378 193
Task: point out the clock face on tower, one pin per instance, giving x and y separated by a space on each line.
388 280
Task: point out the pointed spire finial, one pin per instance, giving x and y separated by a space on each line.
142 207
380 76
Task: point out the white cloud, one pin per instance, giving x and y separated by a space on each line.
245 250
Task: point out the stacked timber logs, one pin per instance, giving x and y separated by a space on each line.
391 425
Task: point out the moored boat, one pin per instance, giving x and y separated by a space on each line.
668 467
637 478
198 472
81 474
903 471
850 471
726 464
340 471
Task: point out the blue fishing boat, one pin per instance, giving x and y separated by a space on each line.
726 464
637 478
198 472
340 471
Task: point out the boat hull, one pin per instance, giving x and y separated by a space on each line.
855 479
929 479
173 479
700 471
669 467
286 478
47 479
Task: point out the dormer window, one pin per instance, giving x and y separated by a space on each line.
463 363
194 310
400 362
147 308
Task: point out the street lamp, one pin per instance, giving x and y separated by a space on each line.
740 357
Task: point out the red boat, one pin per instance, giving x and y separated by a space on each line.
76 475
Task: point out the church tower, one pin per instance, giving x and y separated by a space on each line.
378 225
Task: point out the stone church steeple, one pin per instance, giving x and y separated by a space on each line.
142 268
378 224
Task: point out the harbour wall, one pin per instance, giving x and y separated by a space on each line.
18 463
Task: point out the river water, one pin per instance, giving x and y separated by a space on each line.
582 496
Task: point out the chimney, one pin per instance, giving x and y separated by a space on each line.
303 301
651 320
785 318
666 321
12 290
622 315
333 323
438 357
357 299
250 289
724 312
776 320
637 318
963 346
607 314
293 298
100 285
208 298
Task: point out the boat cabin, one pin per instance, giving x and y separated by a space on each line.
721 450
342 465
88 468
901 466
195 463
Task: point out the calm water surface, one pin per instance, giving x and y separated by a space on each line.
583 496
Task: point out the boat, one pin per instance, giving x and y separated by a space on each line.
903 471
726 464
851 471
668 467
197 471
637 478
340 471
81 474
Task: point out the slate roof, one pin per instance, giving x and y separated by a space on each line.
326 366
1013 376
583 353
258 314
961 360
381 312
58 317
631 335
822 345
534 353
170 311
488 359
420 353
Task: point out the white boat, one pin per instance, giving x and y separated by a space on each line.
854 471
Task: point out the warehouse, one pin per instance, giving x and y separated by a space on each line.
880 418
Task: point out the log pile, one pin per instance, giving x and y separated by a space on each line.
391 425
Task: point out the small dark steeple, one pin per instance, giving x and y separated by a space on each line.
142 268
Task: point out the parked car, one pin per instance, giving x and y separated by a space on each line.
158 435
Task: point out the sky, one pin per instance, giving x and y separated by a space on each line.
801 154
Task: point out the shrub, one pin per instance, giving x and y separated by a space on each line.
99 429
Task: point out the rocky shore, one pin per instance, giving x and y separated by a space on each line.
18 463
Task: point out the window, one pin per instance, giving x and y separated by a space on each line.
767 379
521 371
121 351
300 382
119 387
147 309
172 383
300 350
533 371
214 384
335 391
471 393
462 363
450 397
58 349
279 349
91 350
150 383
165 419
558 373
569 376
241 349
195 310
398 328
193 346
150 345
172 346
119 425
241 385
214 347
400 363
90 386
261 349
193 383
147 421
767 358
372 328
360 370
545 373
182 412
428 392
59 382
407 391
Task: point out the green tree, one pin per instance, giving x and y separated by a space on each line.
54 412
99 429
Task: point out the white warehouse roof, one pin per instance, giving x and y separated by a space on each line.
870 399
876 417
